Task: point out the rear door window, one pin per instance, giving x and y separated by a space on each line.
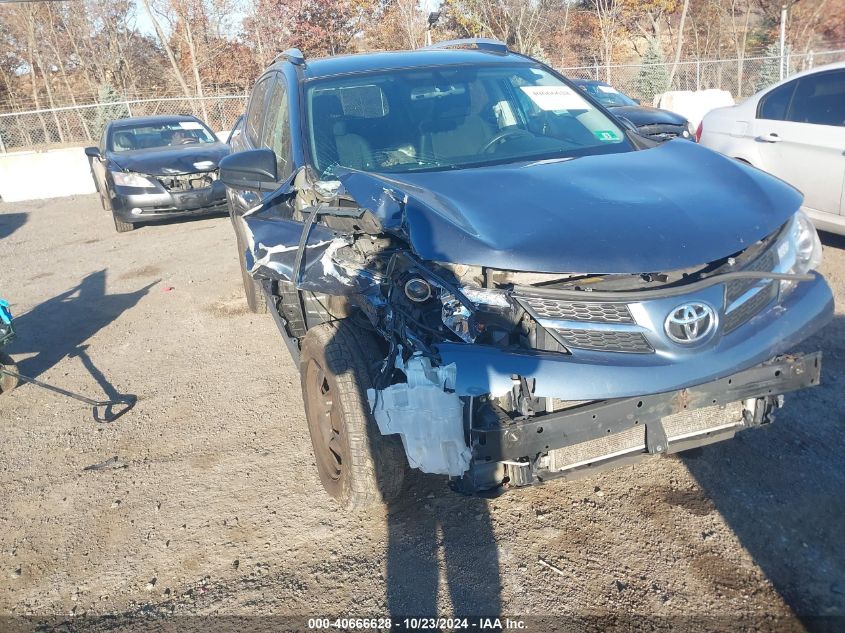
773 106
255 113
276 133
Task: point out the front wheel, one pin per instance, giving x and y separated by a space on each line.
121 226
358 466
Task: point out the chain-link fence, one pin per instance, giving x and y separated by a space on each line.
740 77
75 125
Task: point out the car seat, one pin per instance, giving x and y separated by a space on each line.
453 129
124 141
335 144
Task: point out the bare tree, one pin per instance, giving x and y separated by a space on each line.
608 13
519 23
680 45
177 73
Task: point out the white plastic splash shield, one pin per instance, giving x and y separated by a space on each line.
428 418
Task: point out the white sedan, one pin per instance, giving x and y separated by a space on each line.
794 130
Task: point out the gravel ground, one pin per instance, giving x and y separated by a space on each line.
204 498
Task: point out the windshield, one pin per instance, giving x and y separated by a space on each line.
606 95
171 133
451 117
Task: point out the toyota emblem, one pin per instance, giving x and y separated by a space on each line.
690 323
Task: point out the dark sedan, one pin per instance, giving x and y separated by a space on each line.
156 168
657 124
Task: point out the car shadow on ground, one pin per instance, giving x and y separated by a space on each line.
779 488
11 222
59 326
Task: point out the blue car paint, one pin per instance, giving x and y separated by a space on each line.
483 369
666 208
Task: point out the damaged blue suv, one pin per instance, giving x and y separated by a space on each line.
484 274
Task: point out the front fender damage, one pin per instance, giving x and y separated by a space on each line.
272 254
421 405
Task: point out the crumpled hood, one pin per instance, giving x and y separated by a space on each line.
673 206
645 115
163 161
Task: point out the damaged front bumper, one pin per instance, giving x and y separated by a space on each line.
601 434
130 205
601 375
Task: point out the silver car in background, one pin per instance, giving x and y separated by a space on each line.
794 130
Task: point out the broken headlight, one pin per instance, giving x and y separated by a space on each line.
800 249
458 318
130 179
490 312
438 300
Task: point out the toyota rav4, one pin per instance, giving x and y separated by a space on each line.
484 274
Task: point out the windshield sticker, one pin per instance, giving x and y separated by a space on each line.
608 136
555 98
608 89
190 125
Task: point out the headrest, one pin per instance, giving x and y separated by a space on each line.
124 140
455 105
339 128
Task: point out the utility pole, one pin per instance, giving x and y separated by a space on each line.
782 40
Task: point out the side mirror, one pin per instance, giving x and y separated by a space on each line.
253 169
92 152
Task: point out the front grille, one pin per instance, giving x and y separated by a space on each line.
748 310
736 288
605 341
578 310
660 132
188 182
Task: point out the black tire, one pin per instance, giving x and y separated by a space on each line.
358 466
7 383
121 226
253 291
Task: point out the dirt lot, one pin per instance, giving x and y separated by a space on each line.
212 504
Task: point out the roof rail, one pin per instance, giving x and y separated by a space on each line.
293 55
481 43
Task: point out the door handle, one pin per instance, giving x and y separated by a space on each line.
771 137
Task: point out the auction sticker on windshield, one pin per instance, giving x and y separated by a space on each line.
607 136
190 125
555 98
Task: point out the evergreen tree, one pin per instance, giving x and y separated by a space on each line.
653 78
770 68
111 106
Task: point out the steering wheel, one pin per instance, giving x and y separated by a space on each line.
501 136
187 141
